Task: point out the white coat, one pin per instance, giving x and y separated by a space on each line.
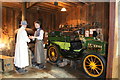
21 58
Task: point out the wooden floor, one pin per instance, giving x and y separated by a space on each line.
51 71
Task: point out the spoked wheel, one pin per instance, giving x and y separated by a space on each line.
94 65
53 54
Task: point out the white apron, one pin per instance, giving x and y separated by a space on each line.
21 59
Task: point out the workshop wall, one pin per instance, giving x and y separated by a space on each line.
9 25
87 14
97 12
47 19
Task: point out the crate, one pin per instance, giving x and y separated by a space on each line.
6 63
1 66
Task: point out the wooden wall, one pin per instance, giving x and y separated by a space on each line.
48 19
97 12
9 25
51 20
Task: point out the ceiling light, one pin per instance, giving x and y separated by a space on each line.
63 9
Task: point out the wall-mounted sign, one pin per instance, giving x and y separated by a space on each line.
86 33
91 31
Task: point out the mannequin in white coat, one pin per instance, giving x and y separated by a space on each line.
21 59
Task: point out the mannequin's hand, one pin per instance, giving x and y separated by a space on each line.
31 37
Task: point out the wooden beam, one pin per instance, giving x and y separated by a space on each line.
46 4
32 10
46 8
12 4
60 5
111 40
41 8
49 6
30 4
79 4
23 11
67 4
72 3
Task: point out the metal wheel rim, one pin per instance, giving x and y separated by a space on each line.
52 50
93 65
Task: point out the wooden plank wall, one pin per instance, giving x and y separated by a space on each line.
76 15
48 19
9 25
97 12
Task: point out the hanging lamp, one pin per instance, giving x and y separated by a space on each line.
63 9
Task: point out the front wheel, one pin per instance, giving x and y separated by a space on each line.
94 65
53 54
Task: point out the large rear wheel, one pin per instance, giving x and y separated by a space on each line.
94 65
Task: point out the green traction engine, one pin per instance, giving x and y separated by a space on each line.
72 45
